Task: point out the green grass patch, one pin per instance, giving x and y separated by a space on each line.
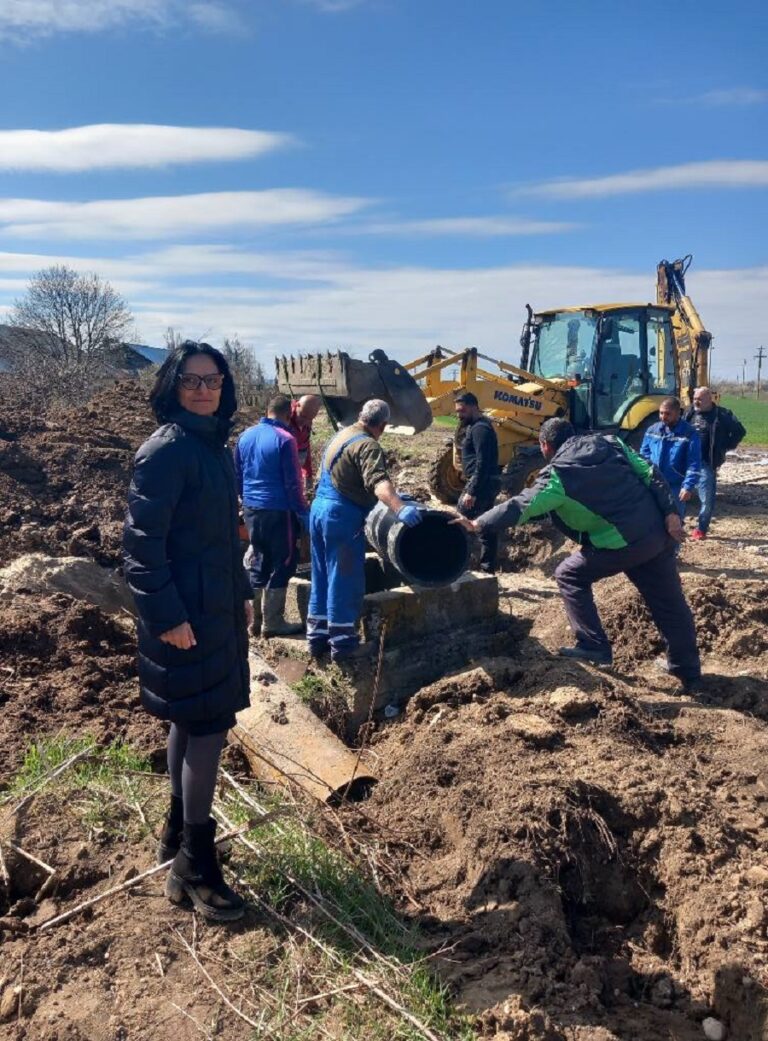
328 695
753 413
113 793
287 847
446 421
108 789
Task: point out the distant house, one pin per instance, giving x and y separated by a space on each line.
134 358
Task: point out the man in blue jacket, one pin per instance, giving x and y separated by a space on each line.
275 507
674 447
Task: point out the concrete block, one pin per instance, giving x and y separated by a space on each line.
411 612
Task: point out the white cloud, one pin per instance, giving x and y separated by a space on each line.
24 19
731 96
334 6
715 173
313 301
215 17
480 227
164 216
109 145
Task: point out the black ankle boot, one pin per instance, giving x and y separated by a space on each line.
195 873
170 836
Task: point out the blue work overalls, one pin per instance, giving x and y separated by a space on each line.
337 534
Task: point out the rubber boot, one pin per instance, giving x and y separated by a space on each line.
195 874
170 836
274 615
258 616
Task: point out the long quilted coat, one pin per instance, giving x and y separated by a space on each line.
183 563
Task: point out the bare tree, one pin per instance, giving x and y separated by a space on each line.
253 387
173 338
71 324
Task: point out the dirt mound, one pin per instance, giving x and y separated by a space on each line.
64 475
730 620
531 545
578 855
66 666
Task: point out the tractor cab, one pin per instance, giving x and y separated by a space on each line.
613 357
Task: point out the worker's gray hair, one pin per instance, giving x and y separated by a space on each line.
374 413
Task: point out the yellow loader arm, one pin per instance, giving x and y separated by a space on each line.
692 341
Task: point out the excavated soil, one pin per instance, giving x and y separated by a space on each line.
585 851
588 848
67 667
64 475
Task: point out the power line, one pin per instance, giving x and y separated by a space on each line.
759 358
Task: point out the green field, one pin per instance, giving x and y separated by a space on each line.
753 414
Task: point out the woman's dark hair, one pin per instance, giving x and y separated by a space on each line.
164 397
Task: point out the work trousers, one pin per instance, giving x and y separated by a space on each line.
489 540
274 535
707 489
337 536
650 566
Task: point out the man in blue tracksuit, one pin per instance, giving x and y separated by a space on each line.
271 487
674 447
353 477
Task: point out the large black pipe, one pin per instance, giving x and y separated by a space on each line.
434 553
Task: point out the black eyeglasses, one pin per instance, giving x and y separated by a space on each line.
189 381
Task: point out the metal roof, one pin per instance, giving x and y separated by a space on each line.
156 355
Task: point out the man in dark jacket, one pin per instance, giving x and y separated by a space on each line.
719 431
480 466
621 510
271 487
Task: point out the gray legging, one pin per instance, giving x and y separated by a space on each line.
193 763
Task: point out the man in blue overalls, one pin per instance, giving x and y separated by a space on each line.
353 476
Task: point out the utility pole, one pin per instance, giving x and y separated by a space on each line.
759 356
744 377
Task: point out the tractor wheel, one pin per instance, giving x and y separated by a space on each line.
634 438
445 481
521 472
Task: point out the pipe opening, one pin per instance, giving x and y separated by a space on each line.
434 553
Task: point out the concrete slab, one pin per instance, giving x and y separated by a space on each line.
427 633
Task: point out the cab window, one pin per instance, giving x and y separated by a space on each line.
620 376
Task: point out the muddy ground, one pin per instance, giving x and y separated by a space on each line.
584 851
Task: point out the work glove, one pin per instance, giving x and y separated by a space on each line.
410 515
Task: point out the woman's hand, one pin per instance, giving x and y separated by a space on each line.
181 637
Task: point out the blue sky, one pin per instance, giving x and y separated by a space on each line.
358 173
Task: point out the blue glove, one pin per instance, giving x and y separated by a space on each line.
410 515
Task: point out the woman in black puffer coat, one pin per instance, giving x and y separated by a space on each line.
183 563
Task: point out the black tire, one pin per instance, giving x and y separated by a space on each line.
520 472
445 481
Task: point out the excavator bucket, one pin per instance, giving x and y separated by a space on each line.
345 384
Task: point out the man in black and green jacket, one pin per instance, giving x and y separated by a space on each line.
622 512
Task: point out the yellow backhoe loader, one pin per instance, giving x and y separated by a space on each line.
606 367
